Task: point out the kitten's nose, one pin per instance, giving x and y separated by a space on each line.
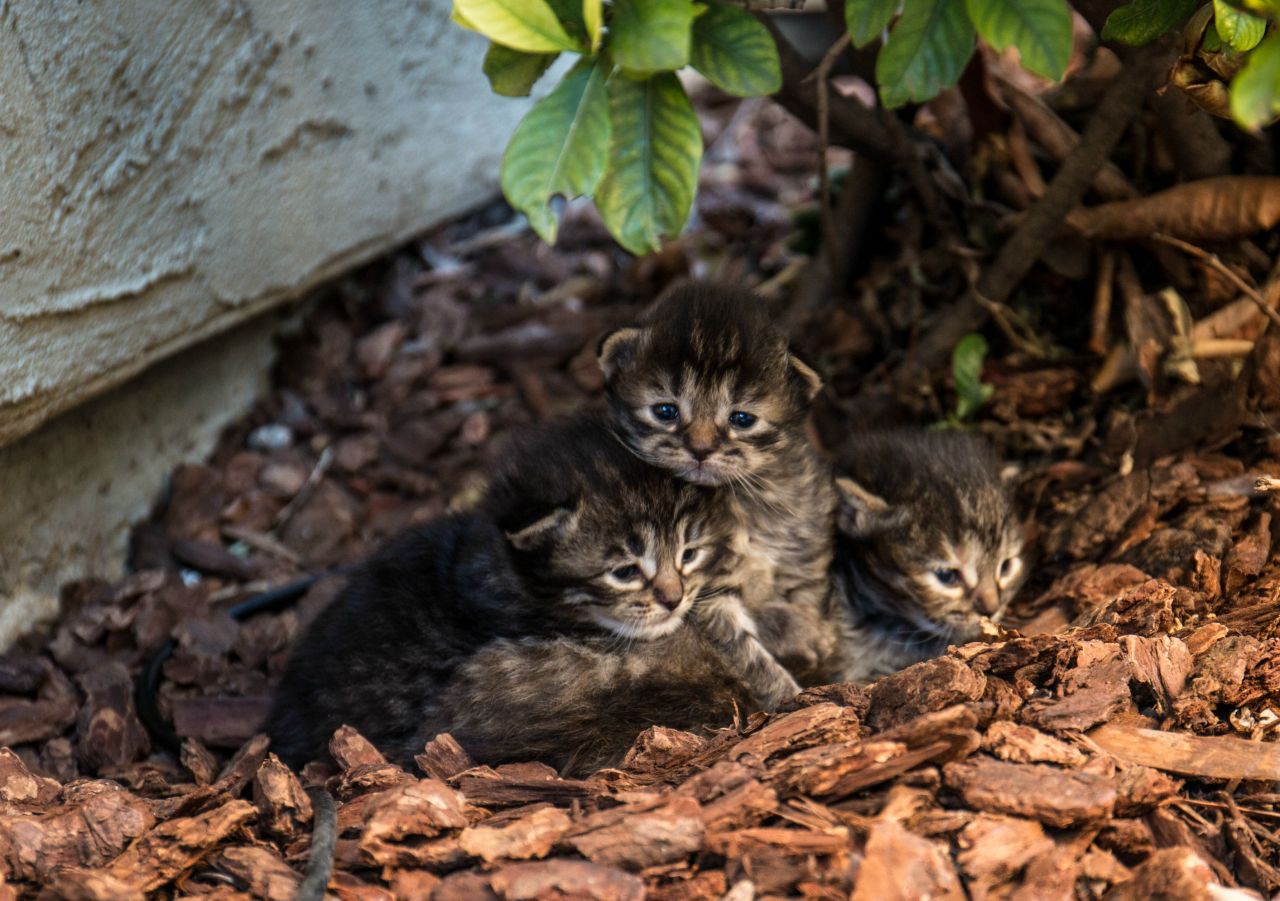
701 440
987 597
667 589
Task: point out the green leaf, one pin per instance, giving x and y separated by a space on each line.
966 365
1040 29
560 147
528 25
512 73
1142 21
653 161
926 51
651 35
1255 92
735 52
1241 30
867 19
593 19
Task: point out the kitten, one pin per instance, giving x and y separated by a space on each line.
578 704
929 546
576 537
706 388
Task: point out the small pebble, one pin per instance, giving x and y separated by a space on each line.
270 437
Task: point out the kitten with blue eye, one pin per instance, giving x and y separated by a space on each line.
929 546
576 538
706 388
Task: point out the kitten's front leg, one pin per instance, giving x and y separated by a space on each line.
725 621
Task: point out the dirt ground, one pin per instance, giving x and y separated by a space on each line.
1119 744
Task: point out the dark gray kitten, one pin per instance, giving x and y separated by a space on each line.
706 388
577 538
929 546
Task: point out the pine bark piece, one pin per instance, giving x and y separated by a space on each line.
202 765
1055 797
994 849
637 836
18 785
1214 757
1177 873
22 722
1102 693
500 788
262 870
398 820
561 878
788 842
351 749
163 853
443 758
91 885
923 688
804 728
96 821
529 836
283 806
1162 663
900 866
1023 744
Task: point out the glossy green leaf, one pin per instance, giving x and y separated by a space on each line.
512 73
967 359
648 36
528 25
926 51
866 20
1142 21
560 147
654 156
1242 31
593 19
1255 92
1040 29
735 52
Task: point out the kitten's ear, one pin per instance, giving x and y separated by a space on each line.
861 514
617 349
556 524
809 378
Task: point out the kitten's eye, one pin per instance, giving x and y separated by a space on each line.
665 412
1008 569
690 554
626 573
948 576
741 419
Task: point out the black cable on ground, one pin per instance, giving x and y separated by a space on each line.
324 841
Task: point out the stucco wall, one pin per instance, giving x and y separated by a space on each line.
171 167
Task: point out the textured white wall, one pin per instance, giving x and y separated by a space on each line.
171 167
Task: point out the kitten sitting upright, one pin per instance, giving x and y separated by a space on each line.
929 545
706 388
577 538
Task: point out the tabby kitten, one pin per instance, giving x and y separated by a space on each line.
576 537
578 703
929 546
706 388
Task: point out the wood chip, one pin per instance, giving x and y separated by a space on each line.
1055 797
1215 757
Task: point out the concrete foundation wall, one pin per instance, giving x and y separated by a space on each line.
171 167
169 170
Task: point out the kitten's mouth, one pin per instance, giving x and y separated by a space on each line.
704 472
645 627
